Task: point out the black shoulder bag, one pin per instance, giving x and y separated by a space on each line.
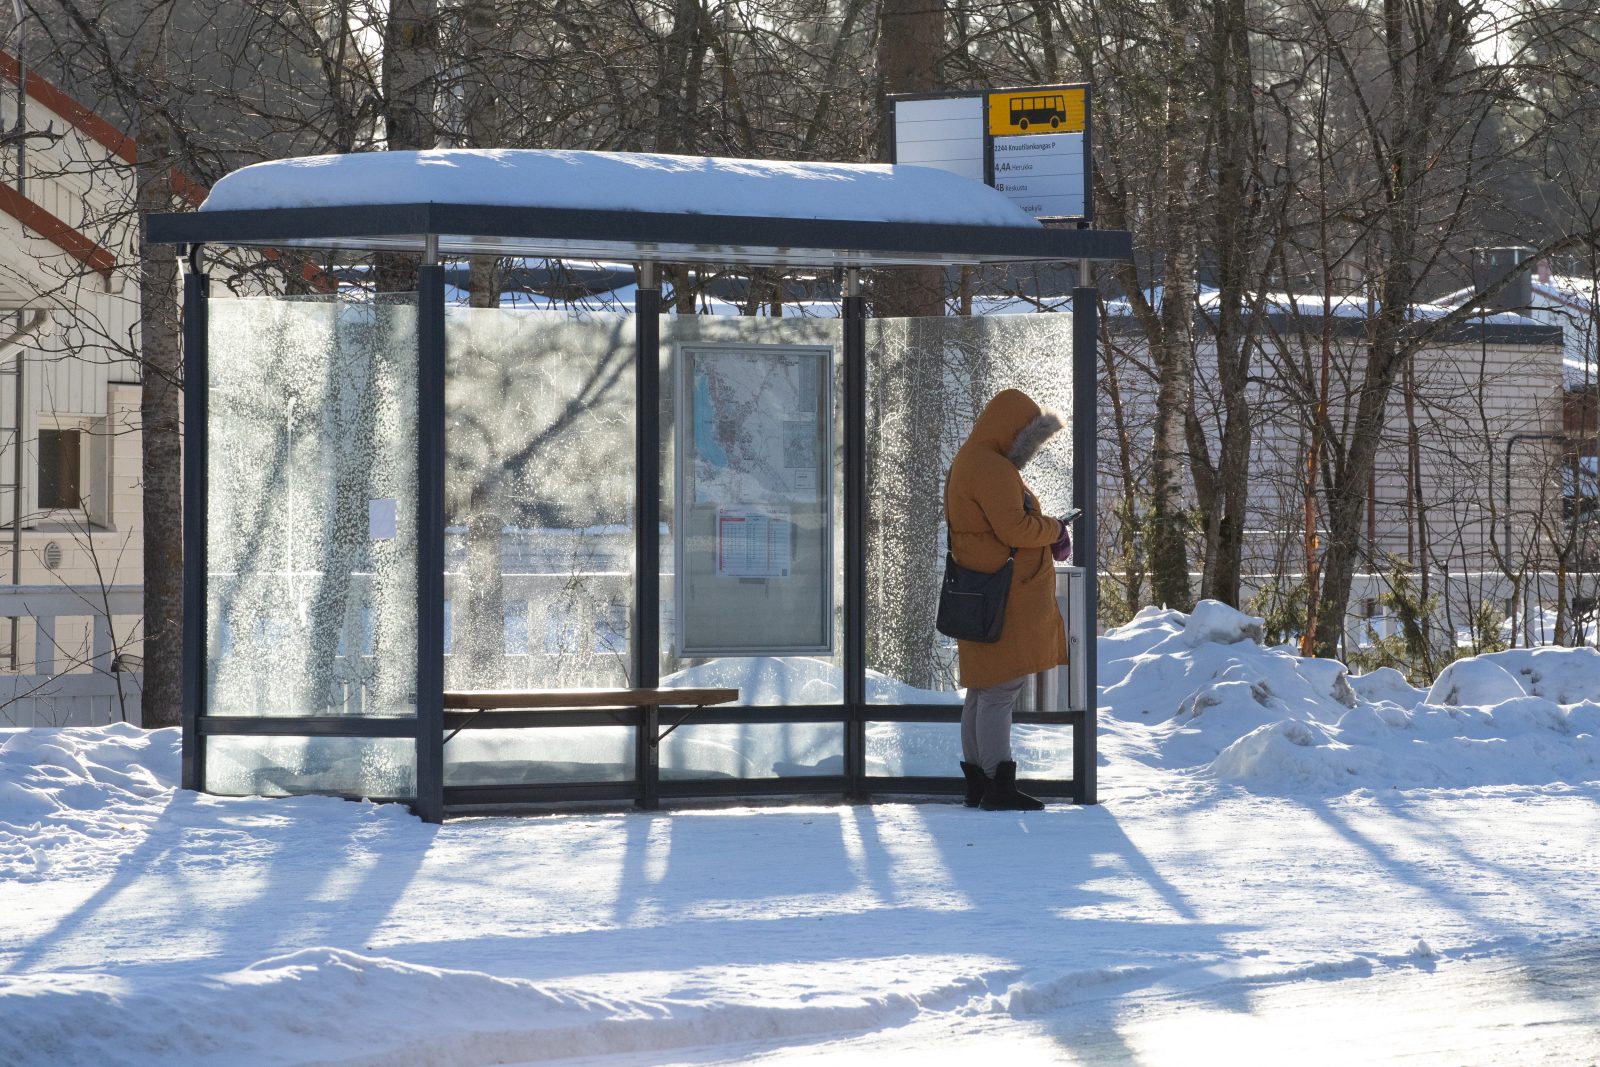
972 604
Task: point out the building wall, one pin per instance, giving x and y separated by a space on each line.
68 303
1435 499
1433 506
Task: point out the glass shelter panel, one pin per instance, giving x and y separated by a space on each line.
753 750
912 749
540 756
539 535
927 381
380 767
311 525
538 499
932 749
752 550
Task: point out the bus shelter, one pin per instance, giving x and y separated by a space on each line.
391 496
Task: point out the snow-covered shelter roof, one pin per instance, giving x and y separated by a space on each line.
630 206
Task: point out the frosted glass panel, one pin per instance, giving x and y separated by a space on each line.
561 754
913 749
311 524
538 499
933 750
1042 751
753 750
927 381
283 766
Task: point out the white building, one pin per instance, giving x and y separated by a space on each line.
70 502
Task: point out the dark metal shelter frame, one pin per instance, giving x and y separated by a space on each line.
439 230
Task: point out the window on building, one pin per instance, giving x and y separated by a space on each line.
60 468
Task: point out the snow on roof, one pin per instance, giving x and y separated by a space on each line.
1567 300
620 181
1574 290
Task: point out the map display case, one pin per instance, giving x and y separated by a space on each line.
753 493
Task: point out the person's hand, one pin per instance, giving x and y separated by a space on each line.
1061 551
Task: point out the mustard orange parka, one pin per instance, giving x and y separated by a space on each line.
991 511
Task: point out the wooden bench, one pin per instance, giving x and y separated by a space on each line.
502 708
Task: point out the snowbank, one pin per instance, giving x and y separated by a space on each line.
244 1016
1199 693
61 789
1475 680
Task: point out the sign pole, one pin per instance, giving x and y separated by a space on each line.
1085 465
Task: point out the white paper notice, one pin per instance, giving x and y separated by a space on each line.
382 519
754 542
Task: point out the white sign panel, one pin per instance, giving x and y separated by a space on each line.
945 133
1042 174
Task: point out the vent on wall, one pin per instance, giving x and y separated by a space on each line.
52 555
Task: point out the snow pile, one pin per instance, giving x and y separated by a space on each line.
1476 680
62 788
1220 624
472 1017
620 181
1564 675
1199 693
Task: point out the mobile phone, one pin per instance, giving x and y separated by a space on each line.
1071 516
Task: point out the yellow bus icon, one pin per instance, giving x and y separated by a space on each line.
1036 112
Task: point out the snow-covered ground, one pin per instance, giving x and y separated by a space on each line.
1288 866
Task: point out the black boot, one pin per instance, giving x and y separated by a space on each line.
1002 794
977 783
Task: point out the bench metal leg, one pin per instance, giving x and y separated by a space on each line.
463 726
681 720
648 758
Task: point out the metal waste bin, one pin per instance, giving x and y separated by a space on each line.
1062 689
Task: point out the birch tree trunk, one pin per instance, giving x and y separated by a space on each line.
1173 349
1235 210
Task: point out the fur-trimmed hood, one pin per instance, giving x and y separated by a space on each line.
1034 436
1016 427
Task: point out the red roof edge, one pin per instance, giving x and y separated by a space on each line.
119 144
90 124
71 241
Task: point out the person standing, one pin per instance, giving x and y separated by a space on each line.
992 514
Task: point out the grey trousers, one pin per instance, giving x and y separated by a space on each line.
986 724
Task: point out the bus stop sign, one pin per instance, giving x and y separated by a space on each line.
1030 143
1057 109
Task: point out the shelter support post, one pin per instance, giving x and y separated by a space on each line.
1085 463
196 382
430 536
855 535
645 641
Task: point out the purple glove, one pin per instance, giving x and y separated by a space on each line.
1062 549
